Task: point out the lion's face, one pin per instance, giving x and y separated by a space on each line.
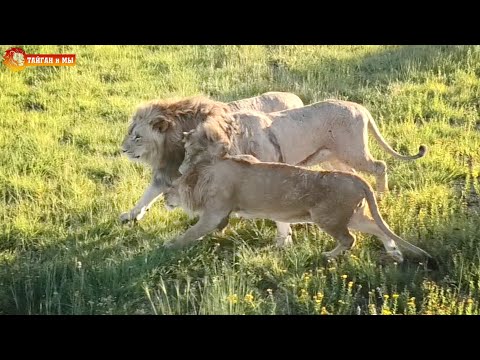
145 139
141 142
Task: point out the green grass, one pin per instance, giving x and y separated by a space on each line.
63 185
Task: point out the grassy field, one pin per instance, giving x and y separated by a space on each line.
63 185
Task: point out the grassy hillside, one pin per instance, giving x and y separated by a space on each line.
63 185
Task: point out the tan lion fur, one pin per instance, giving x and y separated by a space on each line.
215 186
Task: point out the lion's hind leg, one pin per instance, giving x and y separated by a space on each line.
318 157
334 222
362 222
284 234
363 161
346 241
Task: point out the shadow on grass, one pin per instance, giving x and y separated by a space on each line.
102 269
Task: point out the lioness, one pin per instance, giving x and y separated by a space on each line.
216 184
155 133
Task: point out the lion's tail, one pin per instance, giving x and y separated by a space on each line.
373 205
372 126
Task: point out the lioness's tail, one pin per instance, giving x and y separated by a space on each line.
372 126
372 204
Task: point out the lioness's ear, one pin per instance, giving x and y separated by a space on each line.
223 150
214 133
160 124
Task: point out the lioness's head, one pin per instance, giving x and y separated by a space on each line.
156 130
205 144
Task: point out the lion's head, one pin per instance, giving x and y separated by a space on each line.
156 130
184 191
208 142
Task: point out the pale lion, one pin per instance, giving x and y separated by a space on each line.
155 132
216 184
267 102
332 131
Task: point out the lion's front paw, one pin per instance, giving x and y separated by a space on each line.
133 215
396 255
125 217
174 245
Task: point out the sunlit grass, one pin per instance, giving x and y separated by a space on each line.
63 185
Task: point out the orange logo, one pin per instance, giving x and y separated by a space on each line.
16 59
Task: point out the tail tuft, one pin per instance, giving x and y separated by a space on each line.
422 151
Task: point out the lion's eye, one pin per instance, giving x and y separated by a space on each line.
137 138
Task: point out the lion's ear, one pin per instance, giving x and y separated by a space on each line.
223 149
160 124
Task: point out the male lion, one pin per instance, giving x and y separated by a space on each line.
155 133
216 184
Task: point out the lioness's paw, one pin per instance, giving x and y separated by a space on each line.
282 242
328 255
396 255
133 215
173 245
125 217
169 245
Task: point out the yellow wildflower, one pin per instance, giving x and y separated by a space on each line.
344 276
232 299
249 298
395 296
318 298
